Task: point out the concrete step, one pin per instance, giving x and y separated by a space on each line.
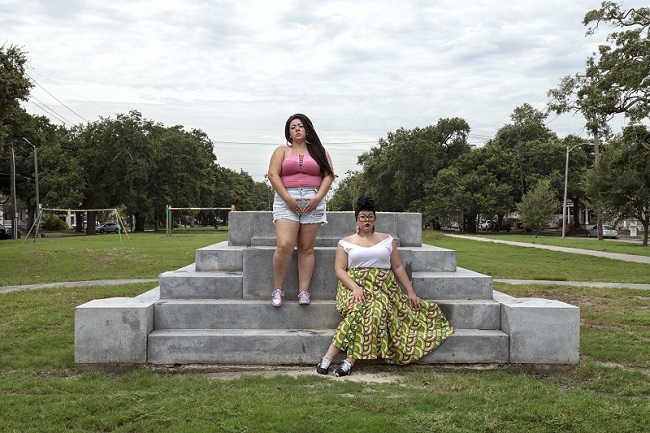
256 228
232 314
462 284
297 346
224 257
187 283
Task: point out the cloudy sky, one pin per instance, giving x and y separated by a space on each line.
359 69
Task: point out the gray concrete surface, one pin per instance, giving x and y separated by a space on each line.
615 256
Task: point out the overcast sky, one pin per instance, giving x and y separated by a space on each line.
359 69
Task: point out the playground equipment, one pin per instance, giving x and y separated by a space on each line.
169 222
37 220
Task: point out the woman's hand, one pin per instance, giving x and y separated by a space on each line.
293 204
357 295
312 203
414 301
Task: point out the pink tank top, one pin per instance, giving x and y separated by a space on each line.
300 171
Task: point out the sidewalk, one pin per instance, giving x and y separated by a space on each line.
615 256
7 289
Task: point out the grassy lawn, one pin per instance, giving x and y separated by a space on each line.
608 245
41 390
511 262
81 258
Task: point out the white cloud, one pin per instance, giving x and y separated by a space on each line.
238 69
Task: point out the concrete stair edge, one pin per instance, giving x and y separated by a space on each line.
286 347
234 314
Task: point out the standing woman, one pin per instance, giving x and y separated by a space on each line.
379 321
301 174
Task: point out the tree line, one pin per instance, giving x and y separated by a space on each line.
435 171
127 162
142 166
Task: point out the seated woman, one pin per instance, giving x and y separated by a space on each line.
379 321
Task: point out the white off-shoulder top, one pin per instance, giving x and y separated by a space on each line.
376 256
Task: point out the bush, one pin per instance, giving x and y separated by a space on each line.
54 223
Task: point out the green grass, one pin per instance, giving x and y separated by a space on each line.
510 262
80 258
41 390
607 245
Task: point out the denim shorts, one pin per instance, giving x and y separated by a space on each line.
282 211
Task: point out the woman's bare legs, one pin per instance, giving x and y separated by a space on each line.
306 239
324 365
286 232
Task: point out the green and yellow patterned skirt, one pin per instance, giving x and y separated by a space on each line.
385 325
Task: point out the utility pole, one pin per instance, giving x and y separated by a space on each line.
599 211
14 220
38 200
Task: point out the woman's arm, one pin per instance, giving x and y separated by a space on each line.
274 174
399 271
325 185
341 271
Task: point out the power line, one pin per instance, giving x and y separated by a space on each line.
46 91
49 110
75 93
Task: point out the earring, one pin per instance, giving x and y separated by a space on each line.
357 229
289 143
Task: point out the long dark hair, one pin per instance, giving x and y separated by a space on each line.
314 146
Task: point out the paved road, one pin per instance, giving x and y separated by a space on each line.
615 256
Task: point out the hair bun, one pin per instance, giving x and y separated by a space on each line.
364 203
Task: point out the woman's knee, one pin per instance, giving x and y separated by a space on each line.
284 248
306 249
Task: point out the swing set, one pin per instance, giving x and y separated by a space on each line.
169 222
37 220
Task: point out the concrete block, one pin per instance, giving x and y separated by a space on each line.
502 297
152 295
541 331
472 313
238 346
471 346
409 229
462 284
113 330
230 314
258 274
241 226
255 228
187 283
220 257
234 314
428 258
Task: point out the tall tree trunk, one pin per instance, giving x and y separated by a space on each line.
139 223
577 211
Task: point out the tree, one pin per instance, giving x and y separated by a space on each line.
620 179
14 87
623 66
347 192
469 187
395 171
538 207
183 175
520 143
58 173
617 78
